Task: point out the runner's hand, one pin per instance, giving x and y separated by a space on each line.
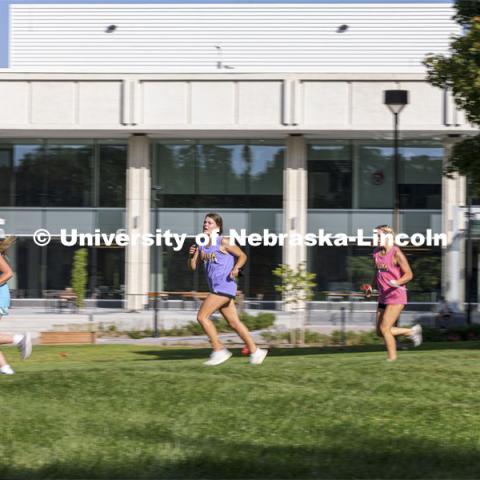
367 288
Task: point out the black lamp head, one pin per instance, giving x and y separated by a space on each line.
395 100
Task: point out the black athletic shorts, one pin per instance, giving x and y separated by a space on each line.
224 295
383 306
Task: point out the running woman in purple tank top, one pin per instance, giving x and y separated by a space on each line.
222 263
392 273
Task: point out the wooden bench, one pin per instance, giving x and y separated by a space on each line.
59 299
166 295
192 295
73 338
346 296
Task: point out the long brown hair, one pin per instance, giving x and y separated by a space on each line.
217 219
6 243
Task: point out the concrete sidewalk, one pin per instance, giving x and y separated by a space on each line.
36 320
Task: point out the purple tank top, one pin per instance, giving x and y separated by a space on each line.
218 266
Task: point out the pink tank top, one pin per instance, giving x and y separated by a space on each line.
386 271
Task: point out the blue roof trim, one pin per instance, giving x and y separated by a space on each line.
4 33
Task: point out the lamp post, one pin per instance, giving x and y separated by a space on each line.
155 191
396 100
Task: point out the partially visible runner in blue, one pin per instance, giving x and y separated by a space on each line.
222 263
22 341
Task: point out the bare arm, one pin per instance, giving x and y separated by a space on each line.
402 262
7 272
237 252
194 255
372 285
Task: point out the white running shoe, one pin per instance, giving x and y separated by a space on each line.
416 335
6 370
25 346
218 357
258 357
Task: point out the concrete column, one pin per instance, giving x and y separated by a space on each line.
295 196
453 224
138 221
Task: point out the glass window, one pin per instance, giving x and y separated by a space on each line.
420 179
472 194
69 175
330 266
112 175
219 174
50 268
222 174
222 169
375 176
176 277
5 176
426 265
265 168
472 292
108 267
329 175
420 175
30 177
59 266
174 169
62 174
28 268
259 281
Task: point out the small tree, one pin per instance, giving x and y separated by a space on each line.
466 11
296 288
79 275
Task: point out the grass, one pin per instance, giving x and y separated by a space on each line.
124 412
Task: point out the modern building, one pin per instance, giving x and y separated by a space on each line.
136 115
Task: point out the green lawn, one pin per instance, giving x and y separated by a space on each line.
123 412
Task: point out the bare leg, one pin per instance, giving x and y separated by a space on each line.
380 312
230 314
401 331
211 304
395 330
390 316
3 360
6 339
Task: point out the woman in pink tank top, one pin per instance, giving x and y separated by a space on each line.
392 273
